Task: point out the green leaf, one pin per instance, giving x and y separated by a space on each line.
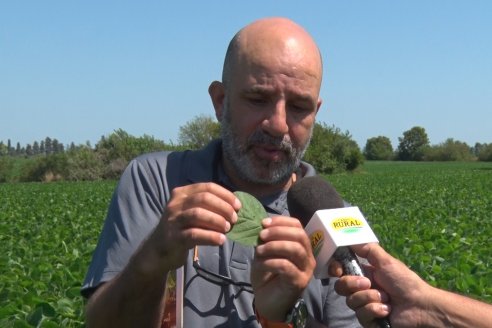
248 225
18 323
49 324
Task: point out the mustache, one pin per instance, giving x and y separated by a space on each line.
260 138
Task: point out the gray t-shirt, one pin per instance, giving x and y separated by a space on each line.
136 208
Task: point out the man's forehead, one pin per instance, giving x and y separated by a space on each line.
269 90
263 80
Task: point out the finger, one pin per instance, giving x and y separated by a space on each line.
348 285
293 252
285 228
197 217
195 236
368 271
283 232
196 199
282 269
208 188
361 298
335 269
212 203
280 221
368 314
374 254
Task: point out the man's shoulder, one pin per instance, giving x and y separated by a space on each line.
153 156
181 166
208 151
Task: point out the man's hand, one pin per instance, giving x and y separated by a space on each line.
198 214
282 267
391 282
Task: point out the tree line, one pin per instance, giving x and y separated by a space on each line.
331 151
414 145
46 147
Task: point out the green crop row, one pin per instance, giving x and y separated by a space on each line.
47 235
436 217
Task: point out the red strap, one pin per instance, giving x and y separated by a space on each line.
271 324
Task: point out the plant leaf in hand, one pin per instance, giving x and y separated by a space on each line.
248 225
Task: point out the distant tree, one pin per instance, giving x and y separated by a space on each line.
48 146
47 168
477 148
485 154
378 148
35 148
6 167
413 144
449 150
332 151
18 149
29 151
54 145
10 149
84 164
42 148
198 132
120 144
3 149
117 149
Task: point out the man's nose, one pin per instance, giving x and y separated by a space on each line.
275 123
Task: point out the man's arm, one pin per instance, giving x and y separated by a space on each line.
197 214
453 310
408 299
134 298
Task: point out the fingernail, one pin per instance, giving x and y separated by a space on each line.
237 204
227 226
234 218
266 221
263 234
385 308
383 297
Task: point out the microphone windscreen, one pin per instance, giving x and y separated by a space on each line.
309 194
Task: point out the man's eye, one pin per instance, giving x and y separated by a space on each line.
299 108
257 100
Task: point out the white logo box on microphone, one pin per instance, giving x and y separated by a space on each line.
330 229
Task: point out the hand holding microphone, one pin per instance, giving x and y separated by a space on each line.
331 226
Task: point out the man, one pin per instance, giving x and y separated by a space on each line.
167 204
405 297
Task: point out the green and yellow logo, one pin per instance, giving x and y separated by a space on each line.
347 224
317 238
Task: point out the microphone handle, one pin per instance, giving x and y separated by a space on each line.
351 266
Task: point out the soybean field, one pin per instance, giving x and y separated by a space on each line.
435 217
48 232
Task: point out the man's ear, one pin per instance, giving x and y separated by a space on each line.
318 105
216 91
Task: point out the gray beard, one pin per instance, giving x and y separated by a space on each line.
254 170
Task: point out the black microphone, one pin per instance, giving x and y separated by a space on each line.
304 199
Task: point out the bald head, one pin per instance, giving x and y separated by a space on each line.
273 41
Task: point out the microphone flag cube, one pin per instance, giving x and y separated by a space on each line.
333 228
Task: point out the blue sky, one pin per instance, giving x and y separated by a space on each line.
77 70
